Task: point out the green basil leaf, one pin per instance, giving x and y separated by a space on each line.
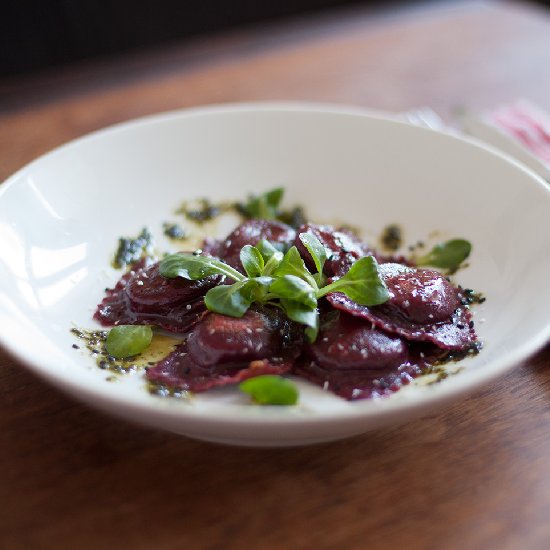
271 255
195 267
273 263
274 197
292 264
264 206
232 300
260 288
294 288
447 255
316 249
127 340
252 260
267 249
270 389
304 315
363 283
264 281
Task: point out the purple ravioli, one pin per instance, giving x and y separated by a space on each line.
179 371
149 291
224 350
212 247
346 342
355 360
360 351
144 297
423 306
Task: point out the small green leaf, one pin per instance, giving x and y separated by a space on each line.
363 283
267 249
272 257
263 281
260 288
127 340
447 255
264 206
269 389
304 315
252 260
272 264
195 267
232 300
292 264
316 249
294 288
274 197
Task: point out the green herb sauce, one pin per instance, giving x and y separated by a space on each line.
203 210
175 231
391 238
130 250
471 296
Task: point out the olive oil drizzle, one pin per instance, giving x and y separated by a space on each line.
94 342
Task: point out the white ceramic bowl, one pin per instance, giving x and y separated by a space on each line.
61 215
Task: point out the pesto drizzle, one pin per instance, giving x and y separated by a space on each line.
130 250
94 341
392 237
203 210
174 231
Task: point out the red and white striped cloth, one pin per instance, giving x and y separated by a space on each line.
526 123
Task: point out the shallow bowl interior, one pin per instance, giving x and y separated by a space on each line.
61 215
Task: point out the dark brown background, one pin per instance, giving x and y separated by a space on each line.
475 475
35 34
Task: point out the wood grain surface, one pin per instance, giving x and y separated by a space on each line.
476 475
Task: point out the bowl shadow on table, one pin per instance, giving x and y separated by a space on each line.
68 469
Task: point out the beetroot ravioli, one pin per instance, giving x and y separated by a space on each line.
313 301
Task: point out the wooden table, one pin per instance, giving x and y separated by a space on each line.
476 475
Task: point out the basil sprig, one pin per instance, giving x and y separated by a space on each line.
448 255
267 206
279 280
317 251
264 206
